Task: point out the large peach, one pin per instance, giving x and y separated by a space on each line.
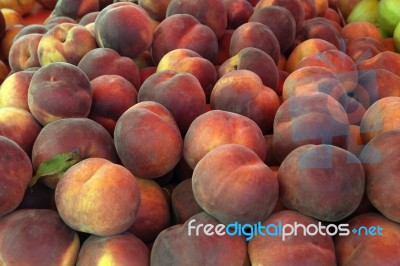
20 126
112 96
309 118
214 128
336 61
154 211
180 93
314 78
59 90
14 89
380 158
290 249
380 117
122 249
23 52
307 48
192 245
211 13
81 135
322 181
258 35
242 92
243 173
280 21
37 237
375 241
185 60
16 172
188 33
255 60
106 197
151 123
66 42
106 61
124 21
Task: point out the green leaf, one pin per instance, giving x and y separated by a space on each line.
57 164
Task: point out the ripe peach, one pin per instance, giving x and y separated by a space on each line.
124 21
59 90
238 12
242 92
14 89
215 127
386 60
188 33
151 123
16 172
360 29
180 93
23 52
364 48
33 28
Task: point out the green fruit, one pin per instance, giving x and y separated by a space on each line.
388 15
366 10
396 37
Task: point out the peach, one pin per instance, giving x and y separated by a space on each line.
336 61
16 172
295 7
146 72
238 12
112 191
380 159
180 93
310 10
307 48
314 79
66 42
308 171
154 211
333 15
23 52
309 118
188 33
12 17
243 168
227 250
379 118
59 90
7 41
215 127
88 18
319 28
375 241
299 249
124 21
82 136
112 96
185 60
360 29
257 35
184 204
75 8
33 28
53 21
23 7
14 89
364 48
121 249
29 234
255 60
386 60
242 92
156 9
151 123
106 61
211 13
375 84
280 21
20 126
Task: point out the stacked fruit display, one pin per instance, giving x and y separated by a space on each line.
138 132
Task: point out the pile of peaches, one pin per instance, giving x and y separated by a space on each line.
121 121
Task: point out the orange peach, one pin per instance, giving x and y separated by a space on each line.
106 197
215 127
151 123
359 29
8 39
12 17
